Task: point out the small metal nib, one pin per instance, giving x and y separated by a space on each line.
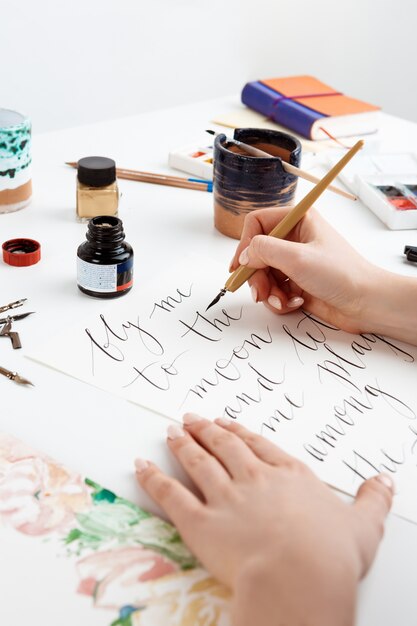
22 381
15 377
216 299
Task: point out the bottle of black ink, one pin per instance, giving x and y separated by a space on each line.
105 260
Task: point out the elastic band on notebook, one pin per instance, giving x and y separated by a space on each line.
308 95
279 99
326 132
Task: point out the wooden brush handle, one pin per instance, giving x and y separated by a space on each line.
292 169
163 180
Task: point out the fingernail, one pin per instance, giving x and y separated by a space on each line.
231 264
141 465
224 421
244 257
254 293
294 302
175 432
385 480
275 302
191 418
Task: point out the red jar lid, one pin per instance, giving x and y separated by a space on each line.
21 252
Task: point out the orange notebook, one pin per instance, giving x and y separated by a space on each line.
310 107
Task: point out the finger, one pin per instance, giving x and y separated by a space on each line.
374 497
276 295
231 451
279 301
292 288
289 257
372 504
175 499
203 468
257 223
262 281
261 447
260 285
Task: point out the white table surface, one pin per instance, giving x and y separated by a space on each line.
97 433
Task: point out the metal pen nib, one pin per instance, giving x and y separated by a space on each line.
15 318
12 305
21 381
15 377
216 299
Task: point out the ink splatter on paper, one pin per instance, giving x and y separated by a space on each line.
132 565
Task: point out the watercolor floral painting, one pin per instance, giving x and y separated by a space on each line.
132 565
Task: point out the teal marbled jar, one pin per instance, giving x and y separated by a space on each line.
15 161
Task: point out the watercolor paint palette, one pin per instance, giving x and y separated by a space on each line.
393 198
372 164
193 159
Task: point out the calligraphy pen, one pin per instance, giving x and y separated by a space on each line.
291 169
285 226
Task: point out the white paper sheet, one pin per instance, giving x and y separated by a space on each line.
344 404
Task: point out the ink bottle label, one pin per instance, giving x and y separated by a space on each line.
113 278
105 259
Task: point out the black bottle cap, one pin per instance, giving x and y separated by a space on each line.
96 171
411 253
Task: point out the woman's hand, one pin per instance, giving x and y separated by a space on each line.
288 547
317 269
314 267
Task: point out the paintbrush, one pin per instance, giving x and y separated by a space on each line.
281 230
159 179
291 169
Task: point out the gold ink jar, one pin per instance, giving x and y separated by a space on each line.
97 190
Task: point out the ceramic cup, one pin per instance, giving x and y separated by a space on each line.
15 161
244 183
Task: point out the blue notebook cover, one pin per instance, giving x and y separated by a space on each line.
282 110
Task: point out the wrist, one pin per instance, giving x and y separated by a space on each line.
310 592
389 305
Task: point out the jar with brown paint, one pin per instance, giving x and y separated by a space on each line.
97 189
244 183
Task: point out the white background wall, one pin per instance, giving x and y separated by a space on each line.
69 62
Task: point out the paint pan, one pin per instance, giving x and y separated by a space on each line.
397 198
373 164
193 159
393 198
412 190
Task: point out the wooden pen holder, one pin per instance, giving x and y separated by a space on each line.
244 183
